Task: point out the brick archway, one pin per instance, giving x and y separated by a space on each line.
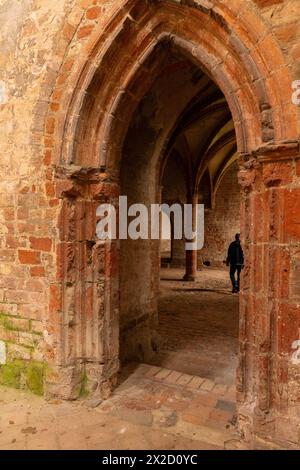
84 135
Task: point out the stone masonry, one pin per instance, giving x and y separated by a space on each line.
88 112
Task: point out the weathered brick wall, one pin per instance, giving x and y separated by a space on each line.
222 222
34 37
44 45
27 228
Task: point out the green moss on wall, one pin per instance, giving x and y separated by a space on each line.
6 323
11 373
83 393
35 375
21 374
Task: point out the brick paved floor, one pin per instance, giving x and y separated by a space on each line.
198 325
153 408
186 402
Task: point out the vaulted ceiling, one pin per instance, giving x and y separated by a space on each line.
203 143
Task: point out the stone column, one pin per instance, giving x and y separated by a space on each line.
178 255
84 300
191 256
269 359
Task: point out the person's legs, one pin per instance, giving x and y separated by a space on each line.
239 269
232 277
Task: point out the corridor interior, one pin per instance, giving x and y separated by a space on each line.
199 320
189 387
198 325
179 325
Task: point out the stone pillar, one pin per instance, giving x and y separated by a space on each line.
83 318
269 366
178 255
191 256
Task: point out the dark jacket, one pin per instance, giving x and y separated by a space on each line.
235 254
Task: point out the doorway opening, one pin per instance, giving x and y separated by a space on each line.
180 147
198 321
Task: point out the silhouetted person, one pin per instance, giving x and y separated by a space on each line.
235 259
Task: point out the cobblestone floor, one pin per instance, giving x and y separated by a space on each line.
153 408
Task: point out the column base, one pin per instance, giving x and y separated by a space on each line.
189 278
